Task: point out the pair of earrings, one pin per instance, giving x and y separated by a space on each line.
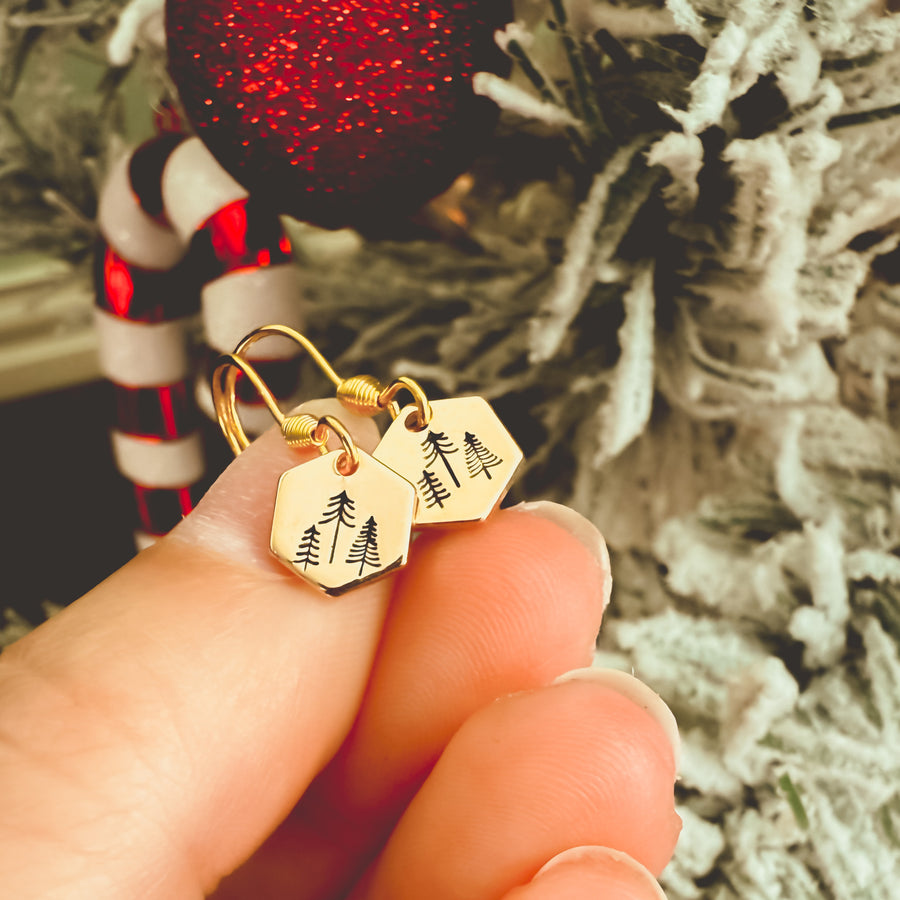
347 517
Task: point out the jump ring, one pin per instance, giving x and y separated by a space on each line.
423 407
348 462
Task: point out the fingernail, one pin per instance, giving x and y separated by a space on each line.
580 528
613 863
636 691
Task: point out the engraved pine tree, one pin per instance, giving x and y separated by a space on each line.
438 445
478 458
340 511
365 548
308 549
432 490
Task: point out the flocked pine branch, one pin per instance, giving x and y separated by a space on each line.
62 114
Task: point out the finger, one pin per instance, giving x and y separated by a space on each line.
585 873
486 610
526 778
175 714
521 603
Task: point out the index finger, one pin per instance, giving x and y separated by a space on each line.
174 714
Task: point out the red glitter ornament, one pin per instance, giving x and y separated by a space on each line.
337 111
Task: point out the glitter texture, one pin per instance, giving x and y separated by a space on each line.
337 112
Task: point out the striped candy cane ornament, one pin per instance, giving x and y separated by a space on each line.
181 235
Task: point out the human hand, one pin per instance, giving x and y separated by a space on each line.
203 707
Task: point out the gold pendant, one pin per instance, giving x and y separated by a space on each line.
338 530
461 462
346 517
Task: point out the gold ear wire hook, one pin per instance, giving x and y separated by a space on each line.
295 336
224 379
362 394
301 430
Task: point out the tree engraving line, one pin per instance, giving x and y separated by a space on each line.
365 548
437 446
339 510
308 549
432 490
478 458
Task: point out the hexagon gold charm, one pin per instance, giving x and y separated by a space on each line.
337 531
461 463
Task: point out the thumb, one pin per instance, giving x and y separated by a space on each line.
173 716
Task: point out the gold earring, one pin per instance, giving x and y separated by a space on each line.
341 519
456 452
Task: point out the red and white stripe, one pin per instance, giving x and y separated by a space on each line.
181 236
